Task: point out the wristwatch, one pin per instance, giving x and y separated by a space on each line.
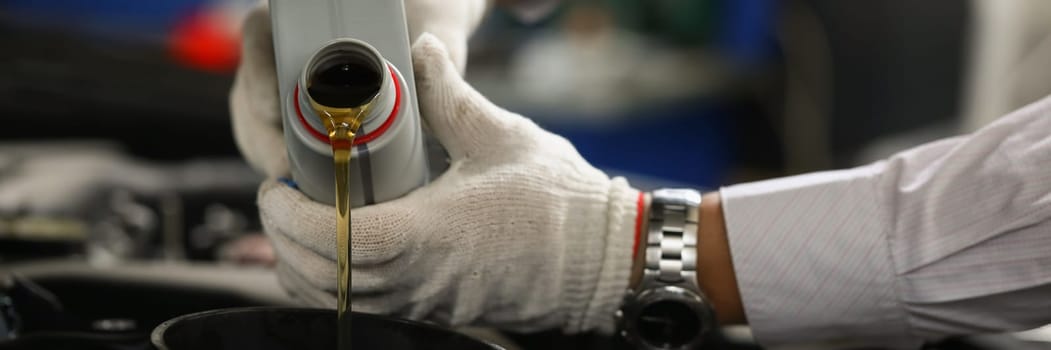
666 309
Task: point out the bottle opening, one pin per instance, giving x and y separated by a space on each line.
344 75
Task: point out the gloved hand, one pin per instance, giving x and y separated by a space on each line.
254 101
520 232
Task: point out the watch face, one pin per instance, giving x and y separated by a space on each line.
668 324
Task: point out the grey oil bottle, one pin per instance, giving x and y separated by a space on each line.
350 116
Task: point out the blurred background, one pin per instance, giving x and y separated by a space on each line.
117 147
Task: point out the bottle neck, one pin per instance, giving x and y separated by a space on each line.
381 109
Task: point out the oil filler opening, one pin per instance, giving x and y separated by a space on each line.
344 74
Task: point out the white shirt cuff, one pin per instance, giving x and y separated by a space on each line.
812 260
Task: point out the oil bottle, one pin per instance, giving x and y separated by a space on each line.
388 157
350 116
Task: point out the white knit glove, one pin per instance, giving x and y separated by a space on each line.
520 232
254 101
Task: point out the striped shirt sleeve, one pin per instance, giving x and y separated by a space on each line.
952 237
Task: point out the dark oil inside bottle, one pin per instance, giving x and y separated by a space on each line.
345 84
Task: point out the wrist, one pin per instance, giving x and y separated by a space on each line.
665 308
715 272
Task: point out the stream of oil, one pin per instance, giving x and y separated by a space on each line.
342 96
341 136
341 162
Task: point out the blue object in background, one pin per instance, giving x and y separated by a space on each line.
113 19
746 29
687 142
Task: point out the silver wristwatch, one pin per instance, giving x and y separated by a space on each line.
667 310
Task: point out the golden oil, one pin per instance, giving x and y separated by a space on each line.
341 86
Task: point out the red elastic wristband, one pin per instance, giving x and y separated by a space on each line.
640 205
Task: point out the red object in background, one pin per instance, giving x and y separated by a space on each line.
205 42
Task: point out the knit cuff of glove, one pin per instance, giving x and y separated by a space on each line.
598 263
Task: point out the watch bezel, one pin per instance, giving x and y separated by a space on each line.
669 293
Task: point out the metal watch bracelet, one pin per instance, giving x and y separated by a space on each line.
667 309
671 240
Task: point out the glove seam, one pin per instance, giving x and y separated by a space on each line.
614 269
